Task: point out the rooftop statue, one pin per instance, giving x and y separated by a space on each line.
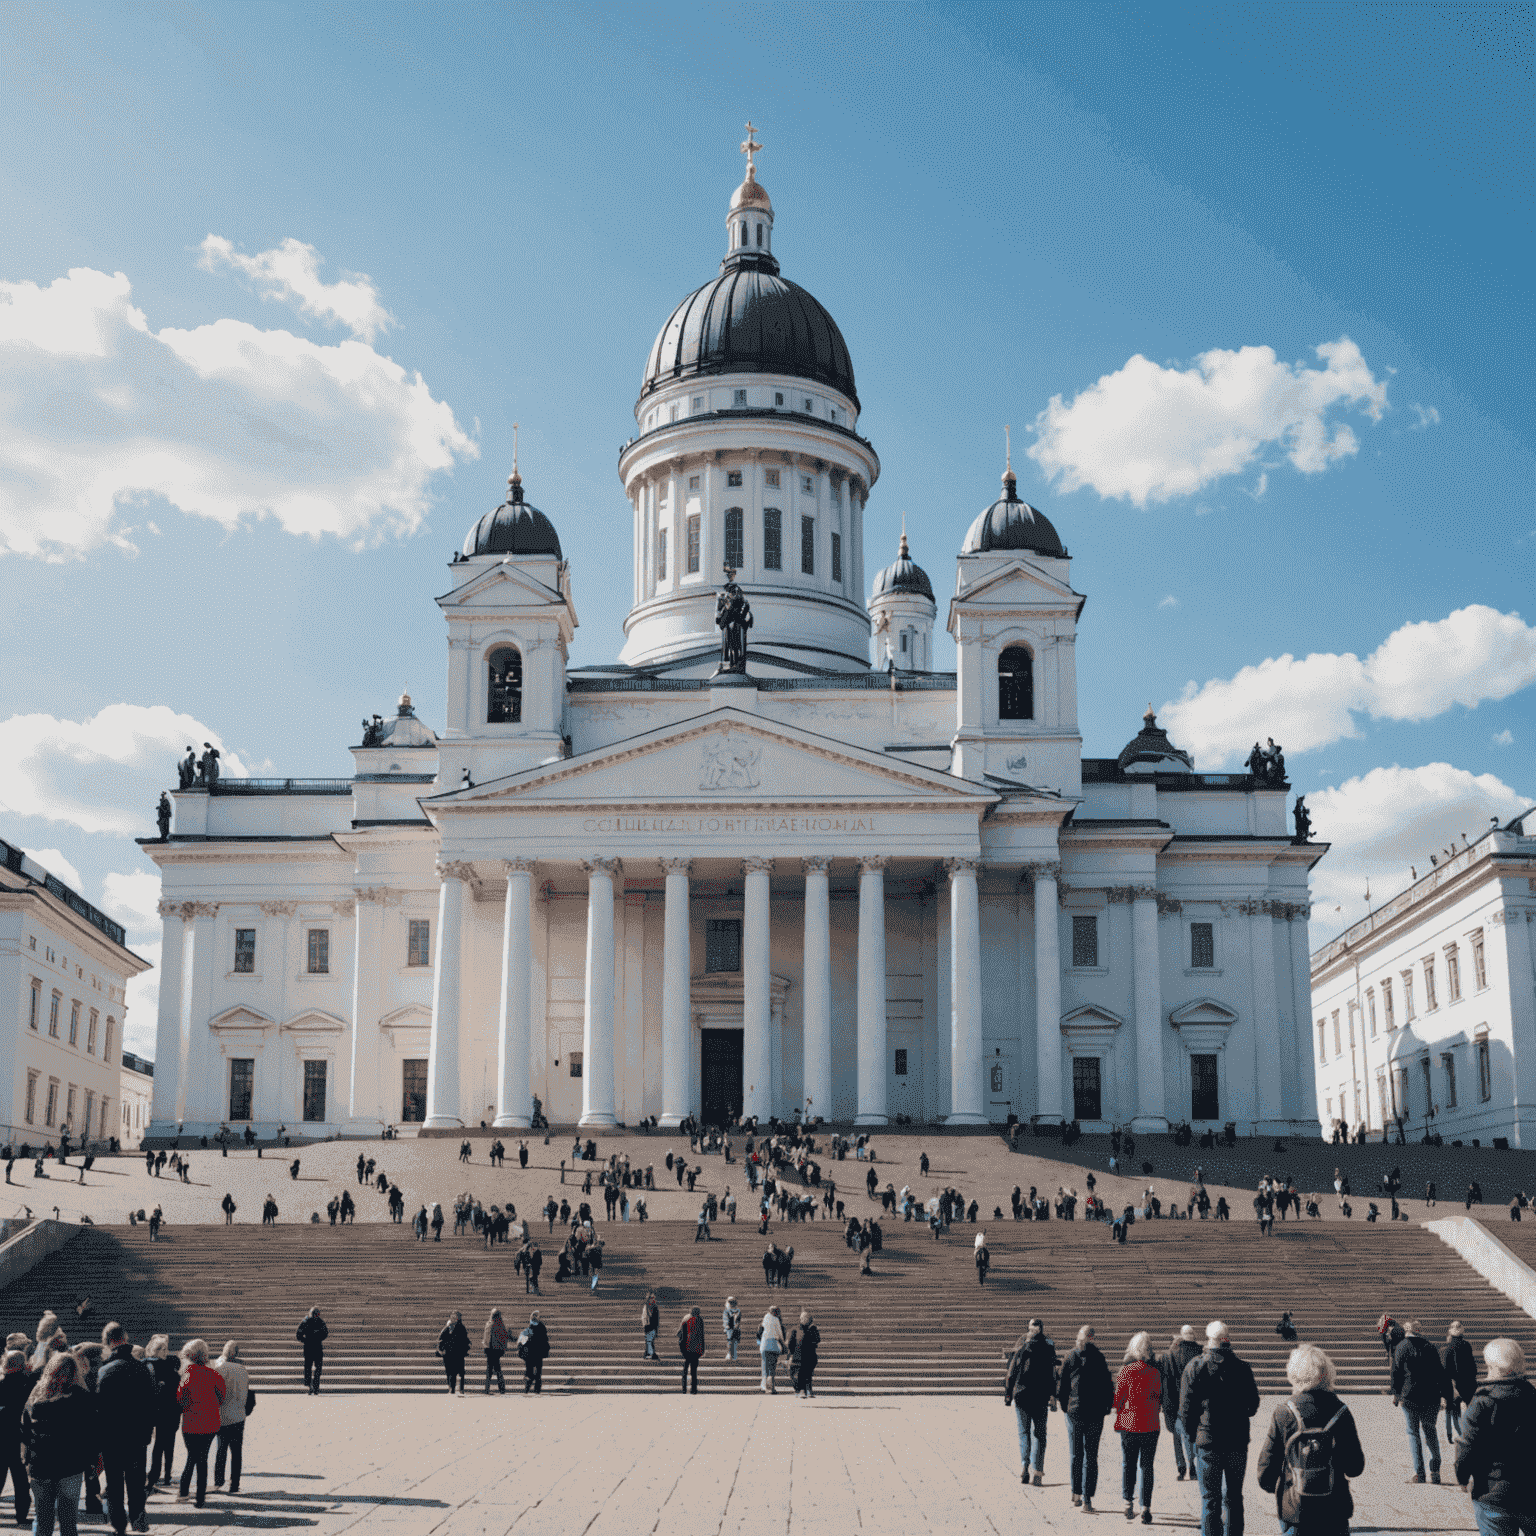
1303 820
163 816
733 618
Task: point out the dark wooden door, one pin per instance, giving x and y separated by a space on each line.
1085 1088
720 1075
1203 1099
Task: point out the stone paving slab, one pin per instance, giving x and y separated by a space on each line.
558 1466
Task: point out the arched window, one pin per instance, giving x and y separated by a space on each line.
504 704
1015 684
735 554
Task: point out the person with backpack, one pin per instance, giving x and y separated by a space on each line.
1494 1452
1086 1393
1138 1397
1418 1388
1217 1398
494 1342
533 1351
1460 1366
1181 1351
1031 1392
1312 1451
690 1344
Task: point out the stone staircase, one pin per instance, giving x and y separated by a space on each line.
920 1324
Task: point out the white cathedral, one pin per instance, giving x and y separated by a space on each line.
828 886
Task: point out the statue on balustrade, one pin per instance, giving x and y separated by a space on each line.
373 730
163 816
208 766
1267 763
733 618
186 770
1303 820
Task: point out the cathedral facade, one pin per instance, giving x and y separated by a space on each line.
827 881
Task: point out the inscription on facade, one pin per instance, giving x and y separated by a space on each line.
726 826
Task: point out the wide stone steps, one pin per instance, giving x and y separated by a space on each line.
920 1324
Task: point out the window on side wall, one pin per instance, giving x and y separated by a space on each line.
1484 1073
90 1033
807 546
661 554
1085 941
1479 962
1431 1001
319 951
419 941
245 951
693 544
773 539
1453 973
837 557
735 551
1202 946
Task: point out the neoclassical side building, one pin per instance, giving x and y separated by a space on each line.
841 884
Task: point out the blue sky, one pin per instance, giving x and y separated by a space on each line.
230 478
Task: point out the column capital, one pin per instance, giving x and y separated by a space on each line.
1048 869
609 867
453 869
195 909
816 864
873 863
756 865
510 867
1124 893
279 908
176 909
682 867
955 867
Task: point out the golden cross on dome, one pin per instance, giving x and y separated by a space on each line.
750 147
1008 445
514 478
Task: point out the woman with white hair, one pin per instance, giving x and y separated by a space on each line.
1312 1451
1138 1397
232 1412
1493 1454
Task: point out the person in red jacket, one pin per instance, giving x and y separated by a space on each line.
690 1344
1138 1399
199 1395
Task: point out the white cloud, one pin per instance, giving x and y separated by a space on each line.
1389 820
291 272
56 864
133 899
103 774
1505 738
1472 655
1169 602
1150 433
225 421
1424 416
143 1009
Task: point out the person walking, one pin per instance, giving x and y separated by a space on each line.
1181 1351
595 1261
227 1205
232 1413
650 1325
1493 1456
804 1351
125 1404
730 1321
1138 1397
1460 1367
1086 1392
1217 1398
533 1347
59 1429
690 1344
453 1349
494 1341
770 1344
983 1257
167 1412
15 1388
312 1334
1031 1392
1312 1451
1418 1387
199 1396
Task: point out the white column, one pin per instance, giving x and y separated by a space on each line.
597 1028
1051 1106
201 1090
816 1025
1146 965
1262 1100
167 1084
965 1082
757 995
512 1094
871 991
364 1111
676 986
443 1051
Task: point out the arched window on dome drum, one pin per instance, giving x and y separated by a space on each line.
1015 684
735 554
504 704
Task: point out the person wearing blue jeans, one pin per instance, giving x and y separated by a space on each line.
1086 1392
1421 1422
1183 1349
1492 1456
1083 1436
1032 1436
1221 1490
1217 1398
1031 1388
57 1497
1419 1386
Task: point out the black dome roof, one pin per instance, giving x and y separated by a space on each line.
514 528
1013 524
904 576
750 320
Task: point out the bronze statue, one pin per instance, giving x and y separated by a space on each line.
208 766
733 618
163 816
372 730
1267 763
186 770
1303 821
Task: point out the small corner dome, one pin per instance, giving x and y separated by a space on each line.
751 193
1150 751
402 729
514 528
903 575
1013 524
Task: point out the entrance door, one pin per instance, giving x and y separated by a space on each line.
413 1094
1085 1088
1203 1104
720 1075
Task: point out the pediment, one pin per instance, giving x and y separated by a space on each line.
500 587
314 1021
727 757
1016 582
1203 1011
407 1026
1090 1018
240 1017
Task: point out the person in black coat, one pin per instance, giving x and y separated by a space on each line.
1419 1387
533 1347
126 1402
15 1388
1031 1391
1182 1352
1315 1405
60 1432
453 1347
1086 1393
804 1351
312 1334
1217 1398
167 1375
1494 1453
1460 1367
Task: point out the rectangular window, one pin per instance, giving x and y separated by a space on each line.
1351 1012
1400 1077
314 1090
1202 946
90 1111
1408 1011
735 551
696 406
319 951
74 1023
245 951
1086 1099
661 554
733 477
1429 1085
51 1113
1085 945
53 1014
106 1048
31 1112
807 546
1386 1002
242 1081
69 1106
1338 1044
413 1090
672 414
1448 1066
575 1061
741 397
1203 1100
807 485
90 1033
810 406
722 944
778 400
771 477
1479 966
1453 973
418 949
693 543
837 557
1322 1040
901 1061
103 1130
37 1004
1431 1002
773 539
1484 1072
1370 1005
693 482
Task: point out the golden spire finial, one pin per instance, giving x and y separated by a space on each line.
902 553
514 480
1008 449
749 148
